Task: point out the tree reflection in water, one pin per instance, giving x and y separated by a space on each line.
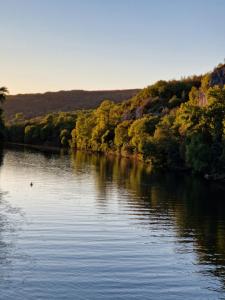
195 207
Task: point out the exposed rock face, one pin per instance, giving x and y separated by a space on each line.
128 115
202 99
139 112
218 76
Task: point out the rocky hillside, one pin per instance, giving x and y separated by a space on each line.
33 105
215 78
218 76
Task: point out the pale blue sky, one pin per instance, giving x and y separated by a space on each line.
107 44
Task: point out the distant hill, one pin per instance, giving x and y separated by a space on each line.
33 105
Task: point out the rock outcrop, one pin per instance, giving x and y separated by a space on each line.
218 76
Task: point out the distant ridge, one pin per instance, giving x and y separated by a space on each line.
34 105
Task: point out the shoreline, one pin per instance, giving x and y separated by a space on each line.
207 177
36 147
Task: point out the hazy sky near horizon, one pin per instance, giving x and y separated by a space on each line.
103 44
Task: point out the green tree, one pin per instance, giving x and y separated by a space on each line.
121 134
31 134
3 93
65 137
198 153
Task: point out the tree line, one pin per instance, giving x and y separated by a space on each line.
176 124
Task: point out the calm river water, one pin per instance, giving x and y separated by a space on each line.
92 227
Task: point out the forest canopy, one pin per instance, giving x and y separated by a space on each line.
176 124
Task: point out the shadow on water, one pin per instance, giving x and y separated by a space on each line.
45 151
195 207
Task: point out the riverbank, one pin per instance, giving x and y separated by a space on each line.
164 125
35 147
133 157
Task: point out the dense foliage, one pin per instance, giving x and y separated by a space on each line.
50 130
3 92
167 124
171 124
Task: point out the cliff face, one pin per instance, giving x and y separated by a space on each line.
202 99
218 76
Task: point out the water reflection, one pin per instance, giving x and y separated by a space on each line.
107 228
11 218
3 223
196 208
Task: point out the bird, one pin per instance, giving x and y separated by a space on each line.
31 184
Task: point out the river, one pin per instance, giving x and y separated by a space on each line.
93 227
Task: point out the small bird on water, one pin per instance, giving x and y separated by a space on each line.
31 184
